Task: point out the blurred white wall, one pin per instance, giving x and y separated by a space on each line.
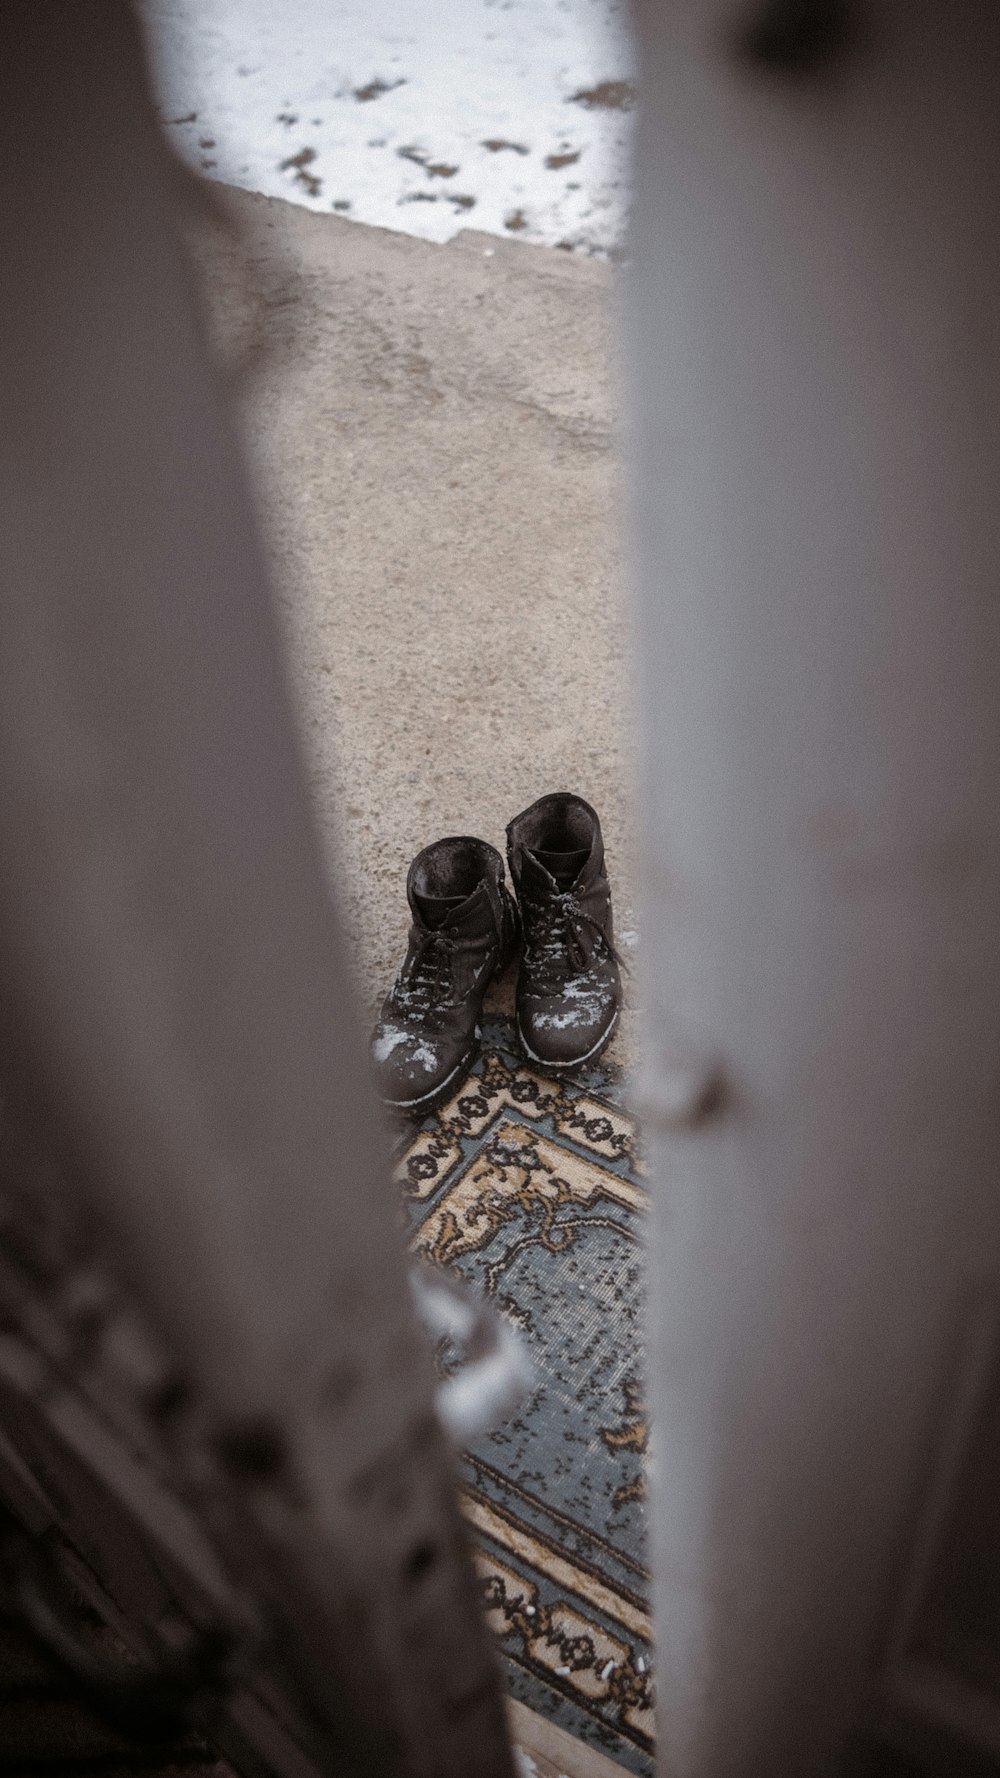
815 387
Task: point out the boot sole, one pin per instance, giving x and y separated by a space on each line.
555 1069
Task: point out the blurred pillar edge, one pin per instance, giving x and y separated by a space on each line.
178 1031
813 371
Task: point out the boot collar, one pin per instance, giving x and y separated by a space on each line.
579 831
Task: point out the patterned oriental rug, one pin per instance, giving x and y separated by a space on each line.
531 1189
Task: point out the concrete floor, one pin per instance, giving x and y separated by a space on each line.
433 434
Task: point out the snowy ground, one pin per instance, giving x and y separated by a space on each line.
421 115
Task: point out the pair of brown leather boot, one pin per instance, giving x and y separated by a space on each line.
465 929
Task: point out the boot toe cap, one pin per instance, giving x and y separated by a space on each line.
410 1068
563 1032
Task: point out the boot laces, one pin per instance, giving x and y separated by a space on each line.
564 937
429 974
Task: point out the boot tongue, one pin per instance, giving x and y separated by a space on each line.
436 910
563 867
462 914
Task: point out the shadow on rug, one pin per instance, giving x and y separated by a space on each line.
531 1189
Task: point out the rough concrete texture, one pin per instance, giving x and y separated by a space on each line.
431 429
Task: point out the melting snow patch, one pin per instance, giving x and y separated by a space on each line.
585 1000
515 106
561 1021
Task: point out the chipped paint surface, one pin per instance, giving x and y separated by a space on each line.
509 116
